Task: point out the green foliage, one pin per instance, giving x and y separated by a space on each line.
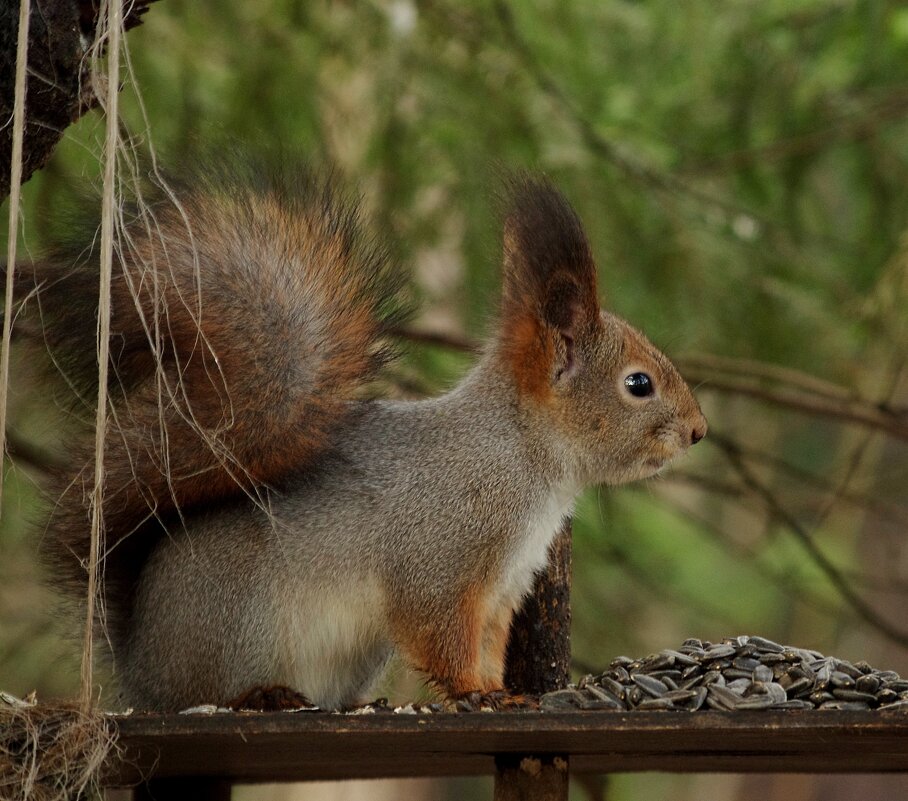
742 169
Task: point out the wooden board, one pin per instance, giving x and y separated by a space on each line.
253 747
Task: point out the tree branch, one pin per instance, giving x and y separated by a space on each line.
21 450
450 341
878 417
852 127
832 573
751 368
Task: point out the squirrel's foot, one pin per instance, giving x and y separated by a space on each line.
498 700
269 699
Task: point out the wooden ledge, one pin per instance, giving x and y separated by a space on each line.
283 746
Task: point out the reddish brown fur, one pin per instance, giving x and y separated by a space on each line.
257 360
463 652
530 353
549 289
448 647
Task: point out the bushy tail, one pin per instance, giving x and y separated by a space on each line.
248 311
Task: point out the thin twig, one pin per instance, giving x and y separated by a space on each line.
750 556
751 368
738 494
878 417
832 573
21 450
888 511
614 553
601 146
854 126
598 143
451 341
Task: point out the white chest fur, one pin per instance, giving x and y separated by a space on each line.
531 547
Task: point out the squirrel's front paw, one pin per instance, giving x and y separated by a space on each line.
493 699
270 699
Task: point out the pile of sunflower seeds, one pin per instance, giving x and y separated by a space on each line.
736 673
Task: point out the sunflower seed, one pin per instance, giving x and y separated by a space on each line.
657 703
896 705
744 672
719 651
739 686
652 687
855 695
798 687
850 705
562 699
605 696
766 646
793 704
722 698
762 701
848 669
839 679
614 687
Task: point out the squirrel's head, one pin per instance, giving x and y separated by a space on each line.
617 403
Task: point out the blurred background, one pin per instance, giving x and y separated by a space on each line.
742 171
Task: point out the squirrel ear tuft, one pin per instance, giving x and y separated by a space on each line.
549 282
548 264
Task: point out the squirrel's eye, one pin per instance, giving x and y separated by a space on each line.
640 385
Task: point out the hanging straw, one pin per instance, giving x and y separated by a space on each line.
15 173
110 103
58 752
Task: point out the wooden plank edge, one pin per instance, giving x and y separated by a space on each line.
256 747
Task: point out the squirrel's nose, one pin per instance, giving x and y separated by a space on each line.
699 431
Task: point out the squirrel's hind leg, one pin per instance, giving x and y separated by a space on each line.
462 650
269 699
445 643
494 651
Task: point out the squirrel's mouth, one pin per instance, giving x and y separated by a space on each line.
653 466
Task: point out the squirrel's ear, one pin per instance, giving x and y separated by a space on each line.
549 298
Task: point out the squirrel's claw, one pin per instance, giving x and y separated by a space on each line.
499 700
269 699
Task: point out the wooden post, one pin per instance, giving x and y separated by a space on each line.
531 779
539 661
539 651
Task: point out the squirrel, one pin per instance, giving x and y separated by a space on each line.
270 527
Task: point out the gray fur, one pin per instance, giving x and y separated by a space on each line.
422 495
418 500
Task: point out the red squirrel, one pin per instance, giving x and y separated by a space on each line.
271 531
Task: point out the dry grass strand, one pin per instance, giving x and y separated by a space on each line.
52 752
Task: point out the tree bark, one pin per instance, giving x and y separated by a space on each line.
58 84
539 661
539 650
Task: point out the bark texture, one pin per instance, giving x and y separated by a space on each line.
58 83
